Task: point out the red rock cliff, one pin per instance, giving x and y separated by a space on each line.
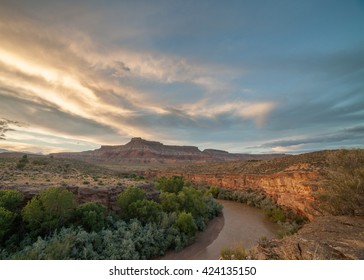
289 189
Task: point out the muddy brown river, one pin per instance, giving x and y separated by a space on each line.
240 224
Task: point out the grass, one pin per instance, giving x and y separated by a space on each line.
235 252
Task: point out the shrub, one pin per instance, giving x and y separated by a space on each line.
169 202
52 209
6 219
136 177
234 253
186 223
145 211
22 162
172 185
288 228
124 241
128 196
214 191
191 200
10 199
91 216
275 214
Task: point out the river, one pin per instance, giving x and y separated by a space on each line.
240 224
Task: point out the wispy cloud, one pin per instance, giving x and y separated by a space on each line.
6 126
352 136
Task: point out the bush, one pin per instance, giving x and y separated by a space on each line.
186 224
214 191
91 216
275 214
169 202
171 185
10 199
6 219
124 241
52 209
22 162
145 211
191 200
130 195
234 253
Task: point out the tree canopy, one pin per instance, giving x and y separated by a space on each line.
52 209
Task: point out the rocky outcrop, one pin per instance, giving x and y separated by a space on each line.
142 151
326 238
293 190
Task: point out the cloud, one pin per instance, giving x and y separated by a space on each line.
6 126
350 135
238 111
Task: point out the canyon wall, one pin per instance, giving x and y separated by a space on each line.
293 190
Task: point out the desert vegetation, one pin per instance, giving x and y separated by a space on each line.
236 252
53 226
342 188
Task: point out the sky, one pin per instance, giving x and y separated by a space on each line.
246 76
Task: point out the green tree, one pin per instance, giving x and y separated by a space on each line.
6 219
10 202
186 223
169 202
10 199
172 185
145 211
91 216
214 191
52 209
192 200
128 196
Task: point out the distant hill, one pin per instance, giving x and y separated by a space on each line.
139 150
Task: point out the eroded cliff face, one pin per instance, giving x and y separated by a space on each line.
293 190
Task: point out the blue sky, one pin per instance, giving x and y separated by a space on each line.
243 76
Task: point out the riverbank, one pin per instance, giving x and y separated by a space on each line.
239 224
